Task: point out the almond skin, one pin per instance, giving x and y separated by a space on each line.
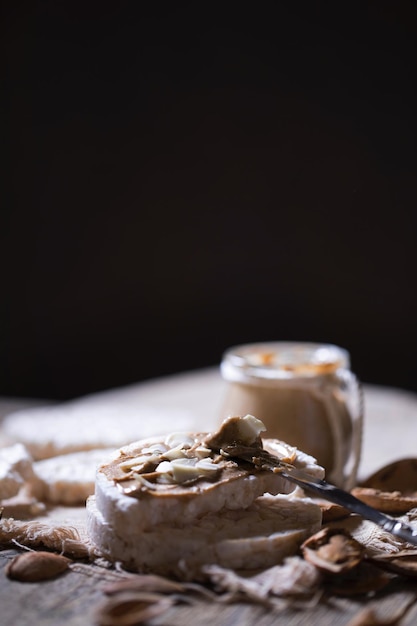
36 566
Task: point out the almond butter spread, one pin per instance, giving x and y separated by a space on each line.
305 394
185 464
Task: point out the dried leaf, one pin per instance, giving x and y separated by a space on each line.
333 550
295 577
132 608
36 566
236 587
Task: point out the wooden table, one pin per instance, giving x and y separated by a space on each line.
390 433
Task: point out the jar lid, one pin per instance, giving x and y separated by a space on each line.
282 360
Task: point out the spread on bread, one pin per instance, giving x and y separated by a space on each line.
173 504
183 460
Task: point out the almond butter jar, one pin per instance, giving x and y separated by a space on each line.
306 395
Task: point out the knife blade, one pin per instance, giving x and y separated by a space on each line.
265 460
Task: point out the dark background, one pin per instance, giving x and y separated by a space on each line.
181 177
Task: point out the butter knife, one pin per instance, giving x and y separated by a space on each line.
264 460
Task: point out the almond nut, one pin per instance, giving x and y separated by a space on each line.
36 566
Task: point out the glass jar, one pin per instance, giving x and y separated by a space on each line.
305 394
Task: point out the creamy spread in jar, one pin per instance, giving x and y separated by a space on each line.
305 394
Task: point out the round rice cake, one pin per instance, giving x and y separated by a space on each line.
259 536
160 503
16 469
74 427
69 479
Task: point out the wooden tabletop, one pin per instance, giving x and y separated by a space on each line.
390 433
